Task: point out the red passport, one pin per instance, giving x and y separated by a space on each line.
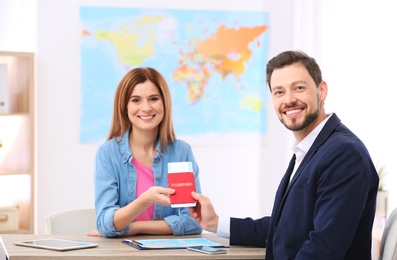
181 178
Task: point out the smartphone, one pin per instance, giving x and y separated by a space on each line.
207 250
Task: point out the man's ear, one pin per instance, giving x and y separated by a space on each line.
323 90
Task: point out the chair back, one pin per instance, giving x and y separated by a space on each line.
388 244
73 222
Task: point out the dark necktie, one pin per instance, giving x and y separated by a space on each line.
287 175
283 185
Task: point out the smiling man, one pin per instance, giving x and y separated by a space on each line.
324 207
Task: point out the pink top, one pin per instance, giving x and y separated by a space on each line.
145 180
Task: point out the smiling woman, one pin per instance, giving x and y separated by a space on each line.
131 185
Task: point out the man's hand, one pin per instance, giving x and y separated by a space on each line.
204 213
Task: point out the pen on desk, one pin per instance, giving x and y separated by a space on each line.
132 242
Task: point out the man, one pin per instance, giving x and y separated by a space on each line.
324 207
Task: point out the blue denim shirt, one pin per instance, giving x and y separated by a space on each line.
115 185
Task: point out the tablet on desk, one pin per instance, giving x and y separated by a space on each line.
55 244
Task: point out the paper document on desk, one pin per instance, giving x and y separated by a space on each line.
142 244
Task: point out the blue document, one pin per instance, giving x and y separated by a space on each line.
170 243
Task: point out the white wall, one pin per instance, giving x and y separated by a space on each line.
18 25
359 64
352 41
65 167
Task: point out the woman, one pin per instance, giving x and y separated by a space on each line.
131 194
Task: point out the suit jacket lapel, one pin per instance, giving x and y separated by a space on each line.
327 130
283 186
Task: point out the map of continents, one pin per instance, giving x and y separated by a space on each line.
213 61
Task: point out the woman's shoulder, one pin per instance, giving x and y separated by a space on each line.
180 143
178 146
111 144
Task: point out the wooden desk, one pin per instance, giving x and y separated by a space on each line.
112 248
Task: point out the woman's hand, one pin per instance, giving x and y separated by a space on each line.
158 195
154 195
94 233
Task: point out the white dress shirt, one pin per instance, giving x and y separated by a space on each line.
300 150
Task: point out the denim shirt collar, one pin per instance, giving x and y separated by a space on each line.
125 149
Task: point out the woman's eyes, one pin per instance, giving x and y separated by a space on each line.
137 100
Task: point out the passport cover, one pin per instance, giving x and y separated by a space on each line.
181 178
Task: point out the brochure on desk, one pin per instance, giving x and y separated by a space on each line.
144 244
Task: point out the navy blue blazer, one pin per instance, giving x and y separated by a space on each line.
328 208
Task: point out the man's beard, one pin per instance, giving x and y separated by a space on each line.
310 118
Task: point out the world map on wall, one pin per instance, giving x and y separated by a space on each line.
213 61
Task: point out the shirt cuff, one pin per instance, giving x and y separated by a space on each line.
223 228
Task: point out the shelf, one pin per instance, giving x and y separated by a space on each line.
14 114
17 135
20 75
16 144
4 172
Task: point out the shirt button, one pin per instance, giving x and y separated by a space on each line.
158 179
157 216
125 157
